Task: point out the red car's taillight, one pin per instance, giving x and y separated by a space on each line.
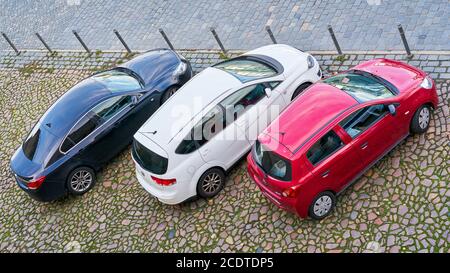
35 184
164 182
290 192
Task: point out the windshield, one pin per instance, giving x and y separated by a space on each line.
362 86
271 163
247 70
117 81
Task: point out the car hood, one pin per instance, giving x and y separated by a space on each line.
152 64
401 75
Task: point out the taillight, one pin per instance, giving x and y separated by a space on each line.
164 182
35 184
289 192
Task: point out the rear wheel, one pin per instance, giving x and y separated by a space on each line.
81 180
211 183
169 93
300 89
421 120
322 205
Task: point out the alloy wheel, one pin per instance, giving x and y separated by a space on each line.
211 183
81 181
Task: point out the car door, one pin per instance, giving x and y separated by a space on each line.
334 162
220 143
141 108
372 130
95 137
258 105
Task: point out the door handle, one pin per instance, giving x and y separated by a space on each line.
364 146
326 174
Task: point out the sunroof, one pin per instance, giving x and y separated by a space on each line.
247 70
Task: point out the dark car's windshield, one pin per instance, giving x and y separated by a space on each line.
118 81
362 86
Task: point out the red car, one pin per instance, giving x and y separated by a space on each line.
336 130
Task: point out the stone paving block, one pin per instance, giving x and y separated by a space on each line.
360 26
399 205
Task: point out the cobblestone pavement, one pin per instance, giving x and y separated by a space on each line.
359 25
400 205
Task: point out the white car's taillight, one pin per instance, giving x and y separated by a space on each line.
427 83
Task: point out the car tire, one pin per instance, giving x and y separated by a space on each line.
322 205
211 183
421 120
168 93
81 180
300 89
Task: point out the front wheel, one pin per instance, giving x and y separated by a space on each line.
322 205
211 183
421 120
81 180
169 93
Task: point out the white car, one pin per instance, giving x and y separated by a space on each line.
185 149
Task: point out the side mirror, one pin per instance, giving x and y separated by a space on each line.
268 91
392 109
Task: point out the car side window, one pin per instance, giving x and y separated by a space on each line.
93 119
324 147
362 119
211 124
226 112
274 85
243 98
107 109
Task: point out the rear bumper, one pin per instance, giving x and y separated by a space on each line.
47 192
257 175
170 195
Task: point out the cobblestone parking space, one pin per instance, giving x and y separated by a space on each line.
400 205
359 25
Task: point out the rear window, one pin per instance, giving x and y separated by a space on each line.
30 144
39 144
272 164
149 160
247 70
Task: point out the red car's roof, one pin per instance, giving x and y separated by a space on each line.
315 108
401 75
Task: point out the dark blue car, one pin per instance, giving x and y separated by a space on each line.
93 122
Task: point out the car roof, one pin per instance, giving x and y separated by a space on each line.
148 65
61 116
316 107
289 57
189 101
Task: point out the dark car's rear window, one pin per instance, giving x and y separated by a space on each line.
39 144
30 144
149 160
